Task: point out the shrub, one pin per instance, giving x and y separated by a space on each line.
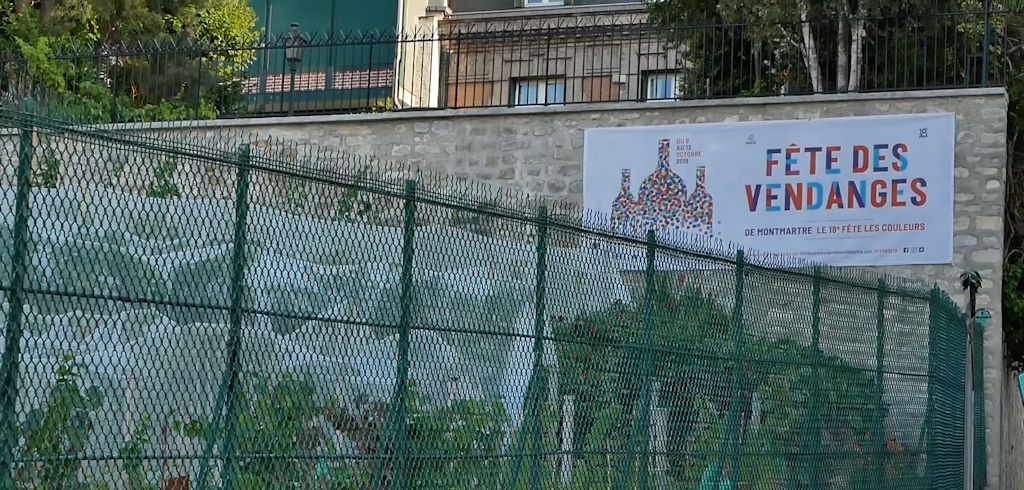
602 361
59 428
456 446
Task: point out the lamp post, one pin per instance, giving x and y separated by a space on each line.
294 43
981 319
974 394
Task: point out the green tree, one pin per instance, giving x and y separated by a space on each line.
58 429
48 35
693 380
218 23
1013 268
822 45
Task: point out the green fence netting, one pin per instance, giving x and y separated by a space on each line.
216 312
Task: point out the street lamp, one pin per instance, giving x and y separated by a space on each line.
981 318
294 43
975 393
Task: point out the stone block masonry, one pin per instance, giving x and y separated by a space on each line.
540 150
1013 434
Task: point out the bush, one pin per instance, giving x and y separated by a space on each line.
602 366
456 446
60 427
274 435
1013 308
225 98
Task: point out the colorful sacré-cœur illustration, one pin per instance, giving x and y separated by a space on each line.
663 203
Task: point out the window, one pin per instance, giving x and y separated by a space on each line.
534 91
542 3
661 86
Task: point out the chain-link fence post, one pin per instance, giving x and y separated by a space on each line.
978 382
739 371
643 413
812 413
16 305
539 375
730 445
228 393
396 414
967 408
960 413
928 430
878 442
645 397
238 266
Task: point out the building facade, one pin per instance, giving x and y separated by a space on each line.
349 61
551 52
419 54
464 6
276 16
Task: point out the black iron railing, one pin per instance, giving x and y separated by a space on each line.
528 62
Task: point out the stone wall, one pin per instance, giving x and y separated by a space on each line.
1013 434
540 150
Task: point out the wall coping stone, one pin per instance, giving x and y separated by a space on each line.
568 109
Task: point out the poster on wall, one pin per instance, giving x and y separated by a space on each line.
857 191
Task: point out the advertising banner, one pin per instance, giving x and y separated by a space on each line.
860 191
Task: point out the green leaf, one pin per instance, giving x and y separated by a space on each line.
95 397
195 429
34 420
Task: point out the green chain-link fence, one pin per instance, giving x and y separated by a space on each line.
185 312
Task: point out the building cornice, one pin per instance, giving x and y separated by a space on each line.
560 11
504 112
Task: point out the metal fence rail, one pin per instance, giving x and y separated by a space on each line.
186 313
579 59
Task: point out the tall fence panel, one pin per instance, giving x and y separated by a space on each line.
208 313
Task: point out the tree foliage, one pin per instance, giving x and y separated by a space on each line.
1013 313
44 36
1013 267
59 427
813 46
694 378
218 23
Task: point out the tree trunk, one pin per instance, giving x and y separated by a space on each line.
20 5
47 7
843 49
810 49
783 76
857 48
756 52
